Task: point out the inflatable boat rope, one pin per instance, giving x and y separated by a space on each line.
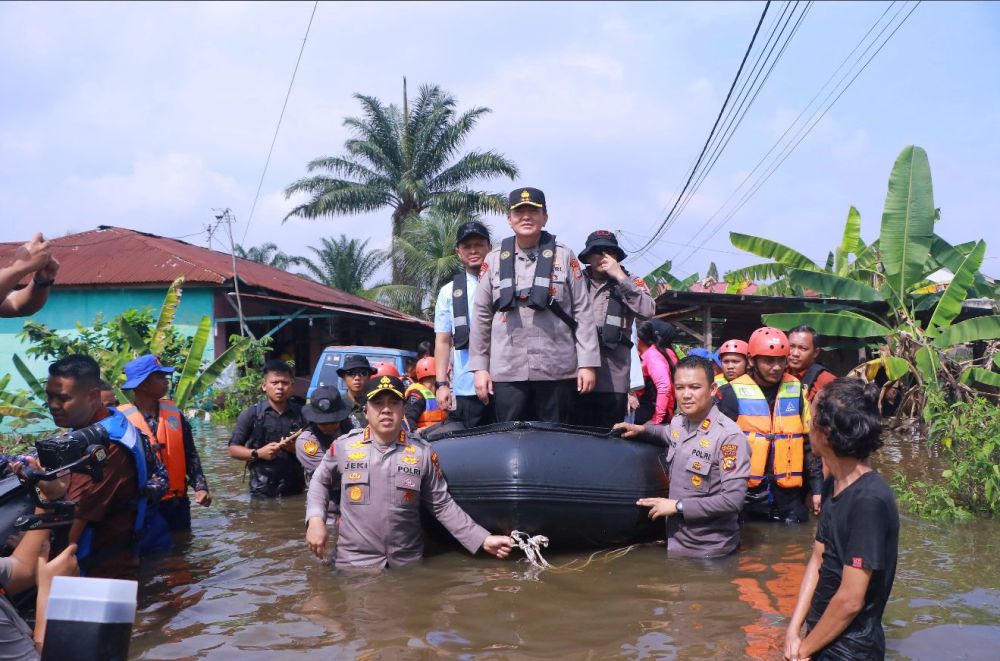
532 547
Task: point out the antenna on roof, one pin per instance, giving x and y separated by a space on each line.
226 216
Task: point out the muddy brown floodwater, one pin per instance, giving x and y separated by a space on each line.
244 586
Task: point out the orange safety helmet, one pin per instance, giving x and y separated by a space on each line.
385 369
768 341
425 368
734 346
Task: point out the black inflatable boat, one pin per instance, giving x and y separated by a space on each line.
575 485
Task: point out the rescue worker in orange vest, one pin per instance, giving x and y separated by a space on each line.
735 358
170 435
770 406
421 407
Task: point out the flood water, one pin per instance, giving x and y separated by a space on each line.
244 585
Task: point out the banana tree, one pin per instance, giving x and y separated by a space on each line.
921 351
660 278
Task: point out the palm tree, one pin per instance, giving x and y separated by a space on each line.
343 263
425 252
267 253
405 159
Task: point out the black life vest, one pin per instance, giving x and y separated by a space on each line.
460 311
540 295
612 331
810 376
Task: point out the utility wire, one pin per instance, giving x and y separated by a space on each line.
288 94
739 115
804 131
715 126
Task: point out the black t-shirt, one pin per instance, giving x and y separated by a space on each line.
858 528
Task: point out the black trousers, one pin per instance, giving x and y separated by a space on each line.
547 401
600 409
777 503
471 412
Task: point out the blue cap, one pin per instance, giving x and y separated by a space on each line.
137 370
706 354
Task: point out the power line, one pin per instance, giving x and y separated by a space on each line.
288 94
805 130
715 126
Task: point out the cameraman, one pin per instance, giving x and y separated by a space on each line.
110 512
27 566
34 257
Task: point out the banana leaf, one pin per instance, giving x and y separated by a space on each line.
850 243
980 375
167 313
4 381
18 412
928 363
907 220
192 365
951 257
836 324
757 273
829 263
950 305
772 250
132 337
34 384
896 368
834 285
868 257
210 375
970 330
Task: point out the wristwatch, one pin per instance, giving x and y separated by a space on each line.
254 455
680 506
438 384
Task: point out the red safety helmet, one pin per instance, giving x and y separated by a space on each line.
768 341
734 346
385 369
425 368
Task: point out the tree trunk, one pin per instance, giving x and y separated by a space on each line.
395 257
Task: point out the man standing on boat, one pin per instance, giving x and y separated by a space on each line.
533 344
383 475
452 326
709 462
770 406
803 350
619 299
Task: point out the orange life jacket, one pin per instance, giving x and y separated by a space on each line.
168 442
780 431
432 412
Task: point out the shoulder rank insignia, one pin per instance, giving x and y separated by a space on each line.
705 424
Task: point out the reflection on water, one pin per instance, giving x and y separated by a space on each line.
244 584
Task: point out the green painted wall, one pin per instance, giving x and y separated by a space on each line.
66 307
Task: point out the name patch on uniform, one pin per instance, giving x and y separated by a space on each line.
728 457
705 424
355 493
354 456
696 480
410 470
701 454
356 465
310 447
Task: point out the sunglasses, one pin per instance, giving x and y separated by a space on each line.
356 373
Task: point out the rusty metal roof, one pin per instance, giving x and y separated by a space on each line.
120 257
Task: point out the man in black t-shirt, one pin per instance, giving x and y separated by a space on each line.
849 576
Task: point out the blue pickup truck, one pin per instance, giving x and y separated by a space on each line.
332 358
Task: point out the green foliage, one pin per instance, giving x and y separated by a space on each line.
907 221
268 254
927 500
245 389
661 276
968 436
406 159
344 264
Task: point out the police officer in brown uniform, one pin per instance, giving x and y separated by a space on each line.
383 475
619 299
709 460
534 341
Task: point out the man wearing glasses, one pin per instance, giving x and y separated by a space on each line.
355 372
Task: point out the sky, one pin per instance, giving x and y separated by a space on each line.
151 116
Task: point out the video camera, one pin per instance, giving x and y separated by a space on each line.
82 451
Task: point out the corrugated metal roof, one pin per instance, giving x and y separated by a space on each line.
120 257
